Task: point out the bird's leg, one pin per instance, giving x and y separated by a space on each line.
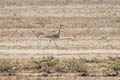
55 43
49 43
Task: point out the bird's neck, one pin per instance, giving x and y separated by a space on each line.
59 31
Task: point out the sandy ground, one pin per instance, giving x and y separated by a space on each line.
88 28
60 78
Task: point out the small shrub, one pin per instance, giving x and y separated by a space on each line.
5 66
50 64
47 64
114 64
95 60
77 65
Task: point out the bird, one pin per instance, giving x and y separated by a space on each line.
54 37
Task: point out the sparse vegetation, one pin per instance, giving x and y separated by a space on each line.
114 63
88 25
5 66
50 64
94 60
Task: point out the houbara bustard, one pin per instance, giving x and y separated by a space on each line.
54 37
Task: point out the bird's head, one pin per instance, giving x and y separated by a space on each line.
61 25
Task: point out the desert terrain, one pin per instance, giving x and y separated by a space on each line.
90 32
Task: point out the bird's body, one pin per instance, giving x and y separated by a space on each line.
54 36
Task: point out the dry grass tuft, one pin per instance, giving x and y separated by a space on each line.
50 64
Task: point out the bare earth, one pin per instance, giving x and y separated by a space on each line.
59 78
91 29
86 27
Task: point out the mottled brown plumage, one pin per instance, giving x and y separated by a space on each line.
54 37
